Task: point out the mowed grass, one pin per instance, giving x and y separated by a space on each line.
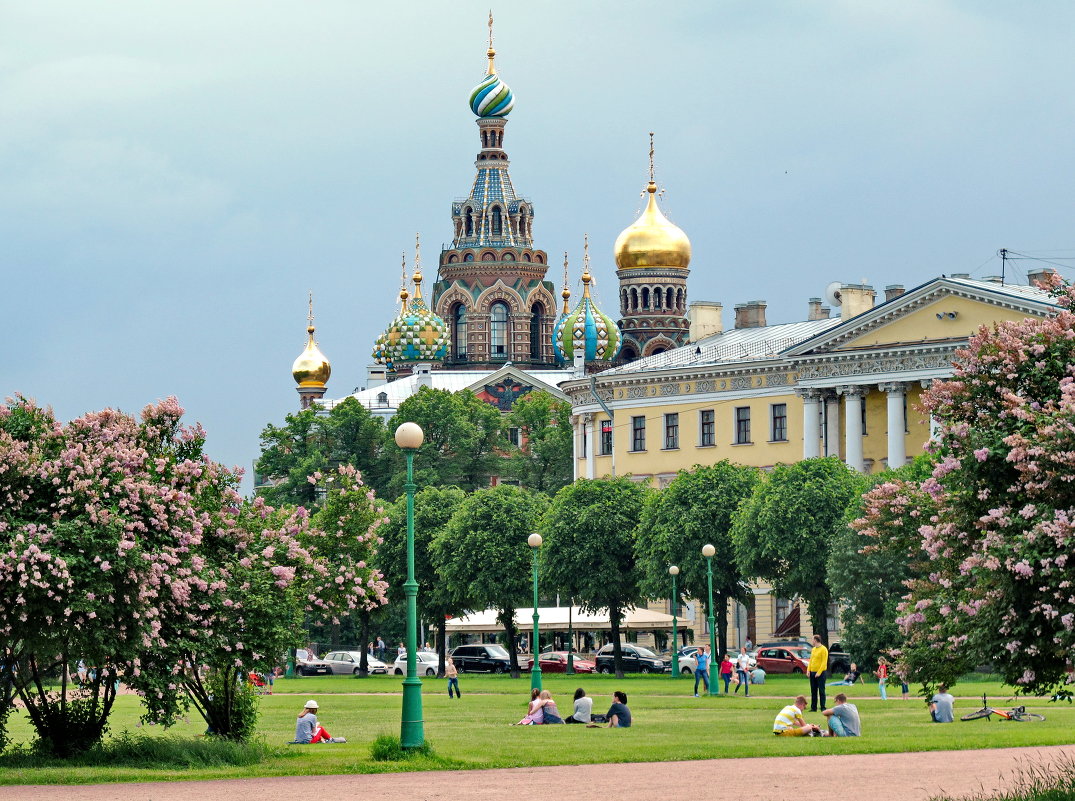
474 732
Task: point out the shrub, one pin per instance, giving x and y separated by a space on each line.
387 748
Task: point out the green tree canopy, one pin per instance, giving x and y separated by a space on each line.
696 508
482 555
543 461
589 548
463 440
783 532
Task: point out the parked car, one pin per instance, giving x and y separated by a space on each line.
556 662
313 667
633 659
839 660
793 643
428 664
482 658
349 662
783 660
688 662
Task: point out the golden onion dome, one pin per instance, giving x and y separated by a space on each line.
652 241
311 369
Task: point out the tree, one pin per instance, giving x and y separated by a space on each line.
433 510
543 460
874 558
589 548
312 441
482 554
997 580
696 508
784 530
463 439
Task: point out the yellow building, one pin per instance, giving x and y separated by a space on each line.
762 394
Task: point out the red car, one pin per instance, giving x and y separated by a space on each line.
784 660
556 662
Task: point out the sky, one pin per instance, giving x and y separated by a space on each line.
175 177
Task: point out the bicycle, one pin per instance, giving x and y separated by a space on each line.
1017 713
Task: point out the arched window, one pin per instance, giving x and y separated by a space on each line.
628 354
670 299
539 258
382 398
624 300
453 258
526 257
498 222
645 297
634 299
498 330
469 217
468 257
488 256
657 295
459 331
537 319
508 257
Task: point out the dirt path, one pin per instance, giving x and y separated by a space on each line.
899 777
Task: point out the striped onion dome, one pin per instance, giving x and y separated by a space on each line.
492 97
586 329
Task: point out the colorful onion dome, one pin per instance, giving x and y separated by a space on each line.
491 97
586 329
417 334
652 241
311 369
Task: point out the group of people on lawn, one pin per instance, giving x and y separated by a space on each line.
542 710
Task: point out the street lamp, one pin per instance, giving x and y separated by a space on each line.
534 541
409 437
673 571
708 551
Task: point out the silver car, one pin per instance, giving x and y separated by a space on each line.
349 662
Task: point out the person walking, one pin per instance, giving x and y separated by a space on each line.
818 669
701 669
726 669
742 669
452 674
882 677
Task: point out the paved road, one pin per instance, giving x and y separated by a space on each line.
894 777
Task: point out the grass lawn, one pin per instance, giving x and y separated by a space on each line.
670 724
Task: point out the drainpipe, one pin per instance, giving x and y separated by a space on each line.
611 419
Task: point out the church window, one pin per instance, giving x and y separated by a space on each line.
669 298
459 331
537 318
498 222
539 258
468 257
527 257
634 299
645 297
453 258
469 217
382 398
498 330
657 295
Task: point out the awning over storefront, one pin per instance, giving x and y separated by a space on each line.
555 618
789 627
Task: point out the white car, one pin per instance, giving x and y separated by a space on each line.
349 662
428 664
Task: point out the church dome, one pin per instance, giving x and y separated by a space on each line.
416 335
492 97
587 330
652 241
311 369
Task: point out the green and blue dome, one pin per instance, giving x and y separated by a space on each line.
417 335
492 97
587 330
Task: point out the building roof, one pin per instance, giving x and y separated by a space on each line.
730 347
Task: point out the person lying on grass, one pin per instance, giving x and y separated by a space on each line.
843 718
789 721
308 730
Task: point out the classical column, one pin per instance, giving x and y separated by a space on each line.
897 424
811 422
853 425
591 450
832 424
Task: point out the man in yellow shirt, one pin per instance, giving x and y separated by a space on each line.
789 721
818 668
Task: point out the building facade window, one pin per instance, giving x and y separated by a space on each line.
742 425
782 610
498 330
606 437
459 330
515 436
779 422
671 431
707 428
537 318
638 433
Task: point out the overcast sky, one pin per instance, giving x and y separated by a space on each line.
175 176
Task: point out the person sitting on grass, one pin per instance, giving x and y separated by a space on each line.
552 714
583 708
843 718
789 721
757 675
852 676
619 716
535 713
308 730
940 706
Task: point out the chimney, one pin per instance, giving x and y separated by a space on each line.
750 314
993 279
706 319
893 291
425 379
1038 274
815 309
855 299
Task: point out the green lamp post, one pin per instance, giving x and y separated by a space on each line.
708 551
409 437
673 571
534 541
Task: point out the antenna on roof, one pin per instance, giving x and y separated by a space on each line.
1003 253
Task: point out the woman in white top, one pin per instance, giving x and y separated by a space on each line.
583 706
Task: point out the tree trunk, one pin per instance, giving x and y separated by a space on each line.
819 618
442 644
507 619
614 622
363 637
